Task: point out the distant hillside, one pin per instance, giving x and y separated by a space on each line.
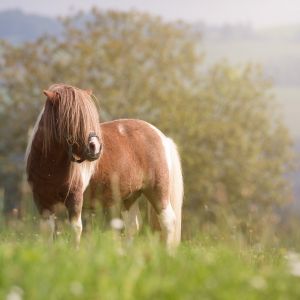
276 49
18 27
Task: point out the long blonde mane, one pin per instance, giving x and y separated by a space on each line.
73 118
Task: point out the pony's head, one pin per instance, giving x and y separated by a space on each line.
71 119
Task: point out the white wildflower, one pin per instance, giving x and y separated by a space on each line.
258 282
15 293
117 224
293 260
76 288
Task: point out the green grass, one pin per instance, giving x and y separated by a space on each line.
106 268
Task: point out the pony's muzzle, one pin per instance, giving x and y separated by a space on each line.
92 156
94 148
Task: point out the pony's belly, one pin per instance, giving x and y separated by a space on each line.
111 193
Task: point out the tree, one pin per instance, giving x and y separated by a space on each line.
142 67
236 165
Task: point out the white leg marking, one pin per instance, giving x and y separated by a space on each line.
77 229
47 226
131 220
167 223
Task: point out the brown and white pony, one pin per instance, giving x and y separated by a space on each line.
123 158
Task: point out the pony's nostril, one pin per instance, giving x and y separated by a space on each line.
92 146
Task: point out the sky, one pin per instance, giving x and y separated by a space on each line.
258 13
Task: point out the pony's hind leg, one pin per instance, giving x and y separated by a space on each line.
132 219
162 216
47 225
167 222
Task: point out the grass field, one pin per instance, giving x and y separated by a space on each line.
106 268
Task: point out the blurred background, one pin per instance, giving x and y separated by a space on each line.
220 77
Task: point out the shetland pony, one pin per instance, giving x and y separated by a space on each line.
124 158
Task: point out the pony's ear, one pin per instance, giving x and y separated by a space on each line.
89 92
50 95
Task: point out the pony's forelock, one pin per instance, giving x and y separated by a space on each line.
70 118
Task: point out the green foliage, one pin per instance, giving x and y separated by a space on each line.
235 151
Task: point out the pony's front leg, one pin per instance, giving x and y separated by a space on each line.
47 225
74 207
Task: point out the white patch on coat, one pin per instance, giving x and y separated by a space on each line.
166 145
32 135
121 129
86 170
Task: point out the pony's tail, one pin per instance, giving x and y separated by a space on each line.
176 188
176 193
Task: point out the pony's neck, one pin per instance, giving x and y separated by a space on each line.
56 153
53 166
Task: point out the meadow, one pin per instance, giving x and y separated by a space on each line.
106 267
